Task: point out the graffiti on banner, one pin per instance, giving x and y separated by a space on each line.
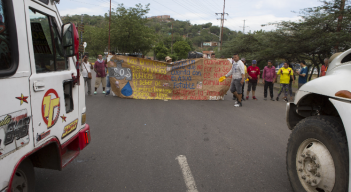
193 79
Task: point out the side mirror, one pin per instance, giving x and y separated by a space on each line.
70 39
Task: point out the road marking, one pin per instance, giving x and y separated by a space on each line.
188 177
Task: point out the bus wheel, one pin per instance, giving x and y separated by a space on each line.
24 179
317 156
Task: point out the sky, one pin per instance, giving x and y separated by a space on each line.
254 12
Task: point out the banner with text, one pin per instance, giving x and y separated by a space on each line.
192 79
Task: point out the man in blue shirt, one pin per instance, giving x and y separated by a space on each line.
302 74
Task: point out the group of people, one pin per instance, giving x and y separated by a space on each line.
240 73
100 68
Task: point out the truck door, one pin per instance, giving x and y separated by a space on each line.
54 96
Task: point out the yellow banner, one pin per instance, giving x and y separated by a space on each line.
192 79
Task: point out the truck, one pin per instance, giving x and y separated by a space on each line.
317 156
43 112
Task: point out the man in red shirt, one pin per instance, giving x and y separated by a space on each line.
254 74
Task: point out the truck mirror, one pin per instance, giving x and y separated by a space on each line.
70 39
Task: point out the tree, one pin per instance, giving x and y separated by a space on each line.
181 48
161 51
129 31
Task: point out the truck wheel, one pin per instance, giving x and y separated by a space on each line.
317 157
24 179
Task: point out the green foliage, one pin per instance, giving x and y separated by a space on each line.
316 36
174 57
161 51
181 48
129 31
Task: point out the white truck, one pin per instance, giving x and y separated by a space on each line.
318 157
42 113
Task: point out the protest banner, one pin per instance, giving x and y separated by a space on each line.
192 79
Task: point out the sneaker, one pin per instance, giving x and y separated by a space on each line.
254 98
286 100
247 97
272 99
238 104
265 98
103 92
95 92
277 99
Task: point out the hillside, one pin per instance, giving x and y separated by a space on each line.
182 30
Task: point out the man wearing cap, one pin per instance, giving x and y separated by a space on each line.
254 74
302 74
168 60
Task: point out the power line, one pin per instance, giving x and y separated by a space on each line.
87 3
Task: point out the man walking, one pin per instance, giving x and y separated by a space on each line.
268 77
85 68
302 74
238 77
246 75
254 75
100 68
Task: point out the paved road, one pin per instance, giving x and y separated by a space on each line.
135 144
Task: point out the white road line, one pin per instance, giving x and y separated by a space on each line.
188 177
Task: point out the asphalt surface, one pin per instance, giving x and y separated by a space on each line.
135 144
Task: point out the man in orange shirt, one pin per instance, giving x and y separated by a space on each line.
324 67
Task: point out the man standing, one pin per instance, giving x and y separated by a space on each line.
324 67
213 56
100 68
302 74
268 78
246 75
254 75
108 85
238 74
85 68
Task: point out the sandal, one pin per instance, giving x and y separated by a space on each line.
254 98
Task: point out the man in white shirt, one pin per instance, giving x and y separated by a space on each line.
238 74
85 68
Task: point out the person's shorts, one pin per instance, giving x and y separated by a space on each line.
251 85
236 86
99 80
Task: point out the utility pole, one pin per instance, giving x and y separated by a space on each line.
172 41
338 29
244 27
109 30
222 24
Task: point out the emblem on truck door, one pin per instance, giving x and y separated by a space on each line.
22 99
50 108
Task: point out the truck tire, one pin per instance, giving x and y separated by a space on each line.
317 157
24 178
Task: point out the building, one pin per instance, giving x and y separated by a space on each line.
160 17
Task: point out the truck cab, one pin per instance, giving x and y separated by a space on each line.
42 118
318 157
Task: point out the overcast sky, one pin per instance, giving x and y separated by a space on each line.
255 12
